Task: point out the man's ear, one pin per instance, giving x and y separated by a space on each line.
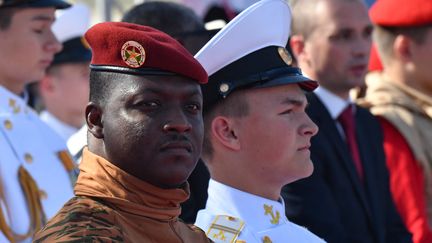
402 48
297 45
46 84
222 130
94 119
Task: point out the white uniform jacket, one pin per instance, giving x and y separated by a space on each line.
28 144
232 215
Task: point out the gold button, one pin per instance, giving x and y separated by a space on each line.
16 109
266 239
12 102
28 158
8 124
240 241
43 195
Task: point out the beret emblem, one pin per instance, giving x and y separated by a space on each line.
133 54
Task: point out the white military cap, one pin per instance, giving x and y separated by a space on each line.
250 52
72 22
69 28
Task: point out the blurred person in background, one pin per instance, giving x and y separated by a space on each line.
65 87
347 198
401 96
36 171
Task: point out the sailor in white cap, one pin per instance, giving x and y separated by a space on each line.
65 88
35 167
257 133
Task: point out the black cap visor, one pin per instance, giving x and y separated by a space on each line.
58 4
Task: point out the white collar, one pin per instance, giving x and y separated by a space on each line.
334 104
226 200
62 129
12 104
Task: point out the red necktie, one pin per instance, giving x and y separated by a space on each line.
346 119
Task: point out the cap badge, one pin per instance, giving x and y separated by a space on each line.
133 54
285 56
223 88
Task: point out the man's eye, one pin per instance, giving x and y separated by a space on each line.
342 36
146 104
38 31
288 111
151 104
193 107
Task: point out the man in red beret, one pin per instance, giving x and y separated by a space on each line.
402 99
145 135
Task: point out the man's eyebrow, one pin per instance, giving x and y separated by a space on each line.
158 91
43 17
294 101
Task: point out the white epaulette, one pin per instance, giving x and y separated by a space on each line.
225 229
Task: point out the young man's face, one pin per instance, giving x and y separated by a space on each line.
27 47
153 128
66 90
338 48
276 134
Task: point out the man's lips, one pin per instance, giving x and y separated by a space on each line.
359 69
177 146
305 147
46 62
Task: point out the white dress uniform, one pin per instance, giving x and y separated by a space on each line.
232 215
28 145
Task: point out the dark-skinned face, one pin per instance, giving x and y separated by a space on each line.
153 128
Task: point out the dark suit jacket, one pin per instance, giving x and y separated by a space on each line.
198 184
333 203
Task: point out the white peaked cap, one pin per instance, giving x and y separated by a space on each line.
72 22
250 52
265 23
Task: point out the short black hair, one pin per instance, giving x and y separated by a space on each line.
6 15
101 86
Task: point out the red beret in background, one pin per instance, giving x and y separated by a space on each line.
140 50
401 13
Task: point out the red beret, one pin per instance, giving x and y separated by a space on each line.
140 50
401 13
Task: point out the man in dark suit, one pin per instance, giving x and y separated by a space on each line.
347 199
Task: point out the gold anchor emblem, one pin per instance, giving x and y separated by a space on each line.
221 235
269 211
267 239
